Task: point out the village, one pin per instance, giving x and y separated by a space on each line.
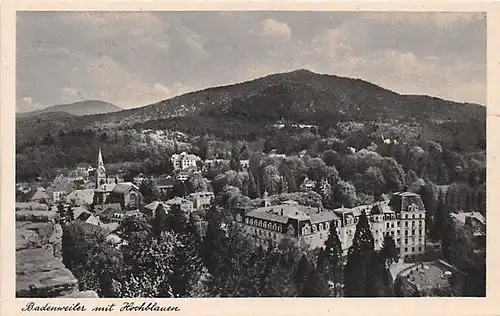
100 202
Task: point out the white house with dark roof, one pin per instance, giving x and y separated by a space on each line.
184 161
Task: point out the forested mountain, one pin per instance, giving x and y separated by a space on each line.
263 112
87 107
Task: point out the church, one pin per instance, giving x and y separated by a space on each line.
109 190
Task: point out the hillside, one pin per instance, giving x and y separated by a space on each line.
352 110
301 95
88 107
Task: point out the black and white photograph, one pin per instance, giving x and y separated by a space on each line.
242 154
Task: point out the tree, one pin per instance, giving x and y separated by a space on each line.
214 242
389 251
314 285
358 259
149 190
253 189
333 256
378 278
304 268
159 221
345 194
176 220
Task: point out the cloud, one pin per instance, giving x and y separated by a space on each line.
136 58
27 104
276 29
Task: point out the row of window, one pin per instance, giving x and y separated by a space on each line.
264 224
420 248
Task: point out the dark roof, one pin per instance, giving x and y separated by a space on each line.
401 201
165 182
84 216
109 209
122 188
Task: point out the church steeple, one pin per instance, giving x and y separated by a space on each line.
101 170
100 162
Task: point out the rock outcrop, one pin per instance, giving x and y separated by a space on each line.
39 268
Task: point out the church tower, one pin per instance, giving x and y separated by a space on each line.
101 170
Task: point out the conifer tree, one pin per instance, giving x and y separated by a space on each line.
358 258
252 186
214 241
304 268
333 256
389 251
176 219
314 286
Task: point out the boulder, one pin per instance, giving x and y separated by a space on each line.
40 274
36 216
26 239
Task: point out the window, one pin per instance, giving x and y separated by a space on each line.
388 225
413 224
412 249
406 249
406 232
420 231
406 224
406 242
413 232
392 225
419 248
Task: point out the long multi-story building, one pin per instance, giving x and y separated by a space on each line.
402 217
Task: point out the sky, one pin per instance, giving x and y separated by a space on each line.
137 58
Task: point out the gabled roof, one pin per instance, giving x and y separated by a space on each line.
110 209
177 200
122 188
61 186
85 195
77 211
153 205
107 187
39 194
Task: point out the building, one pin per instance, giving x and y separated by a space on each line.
41 196
300 223
185 205
245 164
183 176
60 188
81 197
154 207
101 170
185 161
82 214
474 223
402 217
201 199
165 185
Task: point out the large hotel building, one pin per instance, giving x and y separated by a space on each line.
403 217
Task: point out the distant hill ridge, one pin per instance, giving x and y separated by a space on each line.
300 95
87 107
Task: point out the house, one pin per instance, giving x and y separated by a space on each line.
245 164
81 197
184 161
60 188
165 185
82 214
153 208
185 205
106 212
41 196
183 176
475 223
201 199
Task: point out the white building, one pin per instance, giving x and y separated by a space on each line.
184 161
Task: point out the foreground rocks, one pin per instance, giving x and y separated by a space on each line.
39 268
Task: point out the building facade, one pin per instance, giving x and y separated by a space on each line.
402 217
185 161
201 199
